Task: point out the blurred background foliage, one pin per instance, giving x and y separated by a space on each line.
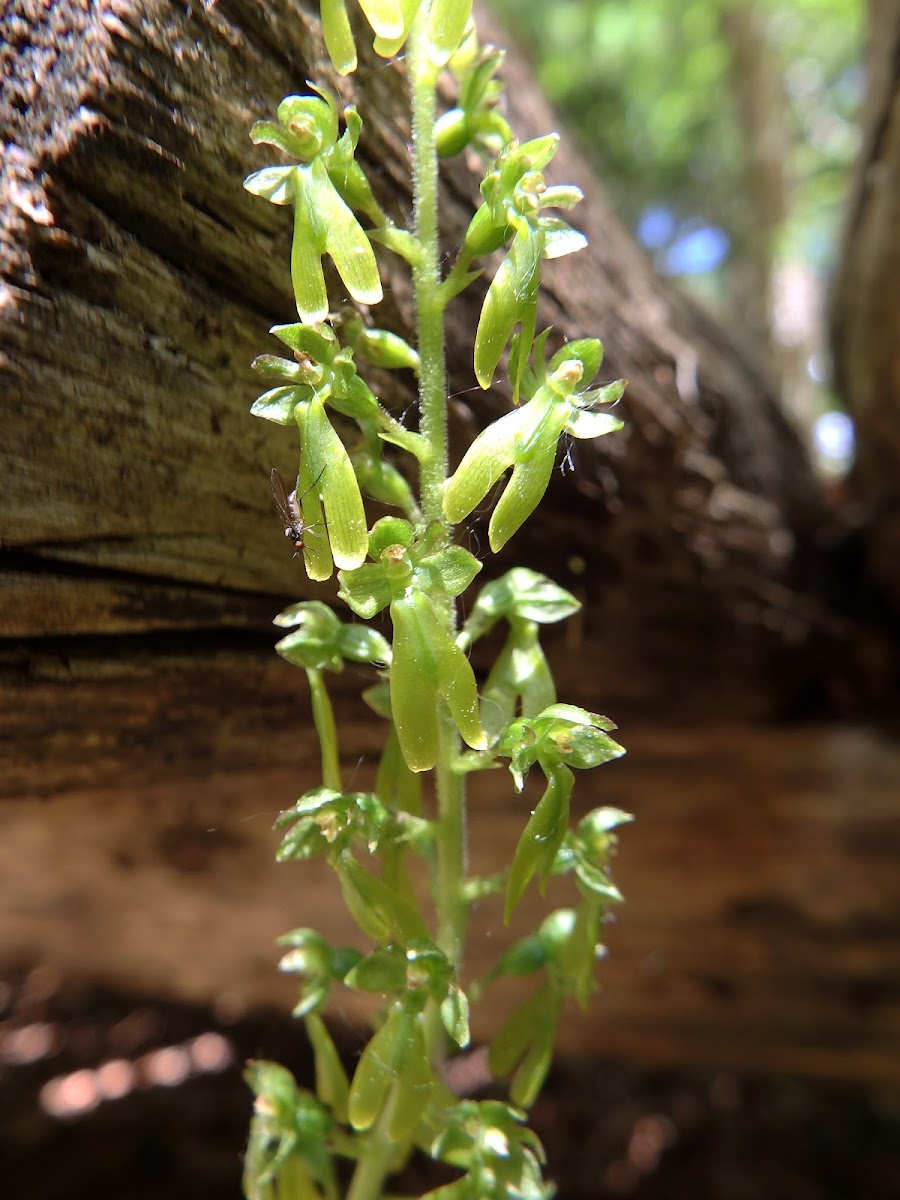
724 132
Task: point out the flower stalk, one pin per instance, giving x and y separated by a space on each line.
440 726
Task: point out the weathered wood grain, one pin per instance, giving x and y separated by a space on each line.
760 931
148 735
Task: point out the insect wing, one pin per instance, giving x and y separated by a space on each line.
280 496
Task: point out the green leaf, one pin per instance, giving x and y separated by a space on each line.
560 239
375 1072
520 594
587 351
385 349
519 681
402 242
561 196
316 549
414 692
320 344
597 882
520 497
382 972
387 532
492 453
394 1065
414 1086
450 570
357 643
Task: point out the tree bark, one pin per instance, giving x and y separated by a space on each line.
141 565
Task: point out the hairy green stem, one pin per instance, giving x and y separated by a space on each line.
433 402
369 1175
427 270
430 304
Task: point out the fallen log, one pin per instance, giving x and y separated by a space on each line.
149 735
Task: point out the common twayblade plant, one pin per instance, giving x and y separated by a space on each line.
439 727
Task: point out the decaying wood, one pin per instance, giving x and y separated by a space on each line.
148 735
141 279
760 929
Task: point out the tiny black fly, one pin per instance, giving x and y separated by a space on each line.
289 508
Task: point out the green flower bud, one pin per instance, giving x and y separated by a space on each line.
381 480
484 235
270 133
451 133
279 404
386 349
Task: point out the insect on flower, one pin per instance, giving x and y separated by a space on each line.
288 506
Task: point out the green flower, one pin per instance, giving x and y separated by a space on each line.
476 120
329 496
391 22
526 439
323 189
428 668
319 368
563 736
516 195
321 641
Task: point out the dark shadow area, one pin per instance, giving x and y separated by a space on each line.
107 1095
